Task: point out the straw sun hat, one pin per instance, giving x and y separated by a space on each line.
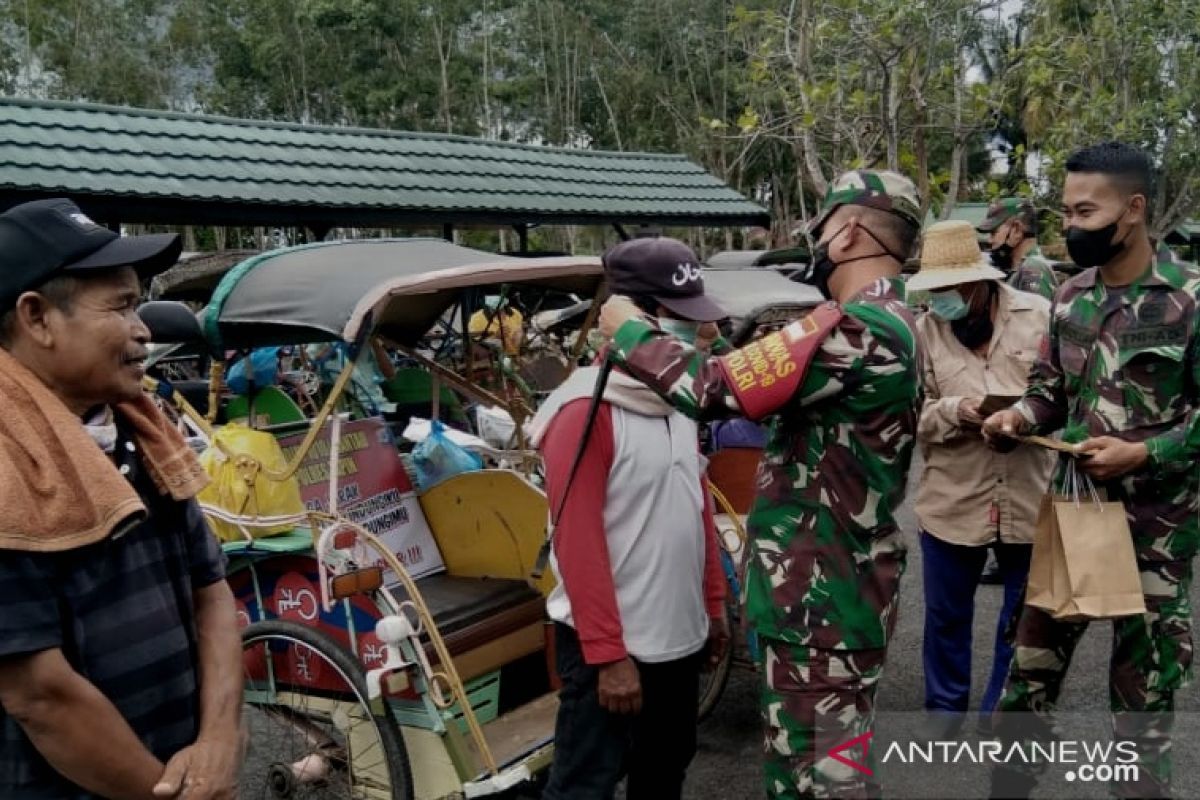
950 255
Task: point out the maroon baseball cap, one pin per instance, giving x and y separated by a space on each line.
664 269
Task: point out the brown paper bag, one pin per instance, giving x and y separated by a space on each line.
1039 586
1083 564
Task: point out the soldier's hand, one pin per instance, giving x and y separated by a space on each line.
620 688
618 310
707 336
968 411
1107 457
718 639
1003 429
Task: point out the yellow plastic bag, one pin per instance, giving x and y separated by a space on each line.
507 325
231 463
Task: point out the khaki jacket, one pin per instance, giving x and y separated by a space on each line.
969 494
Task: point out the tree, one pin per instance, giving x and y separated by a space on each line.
1118 69
869 83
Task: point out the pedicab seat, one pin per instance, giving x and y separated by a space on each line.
458 603
485 622
195 392
297 541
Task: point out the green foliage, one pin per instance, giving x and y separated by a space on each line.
774 97
1123 69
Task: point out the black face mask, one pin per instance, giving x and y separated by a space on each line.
975 329
1093 248
1002 257
820 269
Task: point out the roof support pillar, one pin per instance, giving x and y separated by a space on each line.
522 236
448 231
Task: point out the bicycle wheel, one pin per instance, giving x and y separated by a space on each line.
713 681
311 730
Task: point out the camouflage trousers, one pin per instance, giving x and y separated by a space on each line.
813 700
1151 659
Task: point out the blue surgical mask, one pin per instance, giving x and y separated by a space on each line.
679 328
948 305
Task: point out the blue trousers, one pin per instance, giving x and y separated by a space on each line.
952 574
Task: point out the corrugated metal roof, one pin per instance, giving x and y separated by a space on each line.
973 213
165 165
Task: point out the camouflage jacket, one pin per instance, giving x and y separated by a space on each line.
1126 363
826 554
1036 274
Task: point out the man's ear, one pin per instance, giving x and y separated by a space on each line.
1018 226
1137 208
850 234
33 318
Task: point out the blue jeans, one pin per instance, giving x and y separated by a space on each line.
952 574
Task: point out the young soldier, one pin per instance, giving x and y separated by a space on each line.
1012 229
842 388
1118 372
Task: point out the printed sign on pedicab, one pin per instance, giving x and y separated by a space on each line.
373 491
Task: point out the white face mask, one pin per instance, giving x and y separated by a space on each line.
680 328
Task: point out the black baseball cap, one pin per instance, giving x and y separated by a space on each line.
44 238
664 269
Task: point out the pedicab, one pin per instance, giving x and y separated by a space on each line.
758 302
394 645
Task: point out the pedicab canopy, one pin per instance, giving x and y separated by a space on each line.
343 290
756 296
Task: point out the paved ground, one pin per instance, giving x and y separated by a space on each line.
728 763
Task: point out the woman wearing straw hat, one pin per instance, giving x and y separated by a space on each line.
980 337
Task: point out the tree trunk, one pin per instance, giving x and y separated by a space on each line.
958 157
800 56
444 67
1177 211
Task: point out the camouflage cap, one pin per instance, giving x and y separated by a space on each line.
1001 211
881 189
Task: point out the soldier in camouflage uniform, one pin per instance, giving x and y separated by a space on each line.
1011 227
1118 372
826 554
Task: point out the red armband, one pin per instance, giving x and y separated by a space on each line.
765 374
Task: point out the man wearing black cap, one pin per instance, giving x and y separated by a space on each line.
120 662
640 590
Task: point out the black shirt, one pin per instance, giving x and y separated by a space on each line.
121 611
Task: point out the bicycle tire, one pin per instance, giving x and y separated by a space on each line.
348 667
713 682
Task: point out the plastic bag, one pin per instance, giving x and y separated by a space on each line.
264 369
437 458
227 463
506 325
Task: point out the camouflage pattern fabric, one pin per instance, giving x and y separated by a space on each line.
1035 274
813 700
1126 363
879 189
826 554
1151 659
1004 209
